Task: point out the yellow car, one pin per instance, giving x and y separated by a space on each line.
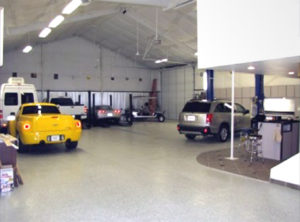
42 123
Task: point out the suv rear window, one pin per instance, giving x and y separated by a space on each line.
196 107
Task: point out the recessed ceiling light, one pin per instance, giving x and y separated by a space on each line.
56 21
27 49
45 32
291 73
251 67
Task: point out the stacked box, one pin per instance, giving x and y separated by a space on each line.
6 178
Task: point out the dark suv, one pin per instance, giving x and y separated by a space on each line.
200 117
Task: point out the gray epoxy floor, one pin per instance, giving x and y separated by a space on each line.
147 172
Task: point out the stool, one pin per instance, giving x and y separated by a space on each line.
254 147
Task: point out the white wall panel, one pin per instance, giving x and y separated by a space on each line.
290 91
238 30
274 92
80 64
297 91
267 91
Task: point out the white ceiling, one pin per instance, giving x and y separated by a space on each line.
106 23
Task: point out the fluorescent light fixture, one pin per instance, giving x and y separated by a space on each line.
56 21
161 60
205 81
251 67
27 49
291 73
71 7
45 32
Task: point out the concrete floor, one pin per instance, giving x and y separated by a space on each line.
147 172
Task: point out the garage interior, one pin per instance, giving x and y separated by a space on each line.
115 49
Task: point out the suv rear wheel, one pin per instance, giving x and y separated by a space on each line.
190 136
223 133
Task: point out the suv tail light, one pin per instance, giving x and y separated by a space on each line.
209 117
85 109
1 114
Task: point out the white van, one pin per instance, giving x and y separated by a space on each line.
12 95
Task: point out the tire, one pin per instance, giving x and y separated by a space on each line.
22 147
71 145
161 118
223 133
190 136
129 119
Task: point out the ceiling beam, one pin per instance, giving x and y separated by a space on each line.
157 3
39 26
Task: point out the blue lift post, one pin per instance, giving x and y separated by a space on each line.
259 92
210 85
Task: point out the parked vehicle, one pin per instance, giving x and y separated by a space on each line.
13 94
67 106
42 123
106 113
200 117
139 114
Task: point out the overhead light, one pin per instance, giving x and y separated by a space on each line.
27 49
45 32
161 60
71 7
291 73
251 67
56 21
196 54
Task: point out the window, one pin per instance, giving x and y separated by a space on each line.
62 101
14 74
221 108
27 98
43 109
33 75
11 99
196 107
238 108
55 76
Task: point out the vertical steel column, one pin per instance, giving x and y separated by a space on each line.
79 99
210 85
110 100
259 91
48 95
93 109
90 107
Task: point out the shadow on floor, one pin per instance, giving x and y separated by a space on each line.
258 169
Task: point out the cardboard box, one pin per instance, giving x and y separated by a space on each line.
6 178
